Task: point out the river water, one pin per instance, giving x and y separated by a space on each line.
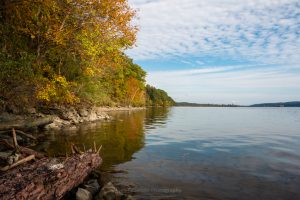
195 153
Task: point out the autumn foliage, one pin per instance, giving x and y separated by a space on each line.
68 52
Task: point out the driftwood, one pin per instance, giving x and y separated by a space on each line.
24 160
25 124
44 180
15 141
23 150
21 133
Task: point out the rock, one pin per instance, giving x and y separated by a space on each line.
31 110
129 197
57 123
83 194
13 158
92 116
70 114
13 109
5 116
109 192
106 116
92 186
83 112
70 128
99 111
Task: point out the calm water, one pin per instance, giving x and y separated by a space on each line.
197 153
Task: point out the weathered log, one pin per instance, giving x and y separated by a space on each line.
40 180
25 124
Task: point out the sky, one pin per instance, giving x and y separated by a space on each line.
220 51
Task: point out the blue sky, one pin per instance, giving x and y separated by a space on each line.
220 51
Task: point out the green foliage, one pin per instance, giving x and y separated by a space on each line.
157 97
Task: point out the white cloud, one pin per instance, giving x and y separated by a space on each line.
191 32
266 31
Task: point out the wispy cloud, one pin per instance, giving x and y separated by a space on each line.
265 31
227 84
221 51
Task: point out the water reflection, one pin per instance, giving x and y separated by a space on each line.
197 153
218 153
120 138
156 117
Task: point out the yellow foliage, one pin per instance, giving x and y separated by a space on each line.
58 91
89 72
46 93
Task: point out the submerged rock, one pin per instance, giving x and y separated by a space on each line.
92 186
109 192
83 194
129 197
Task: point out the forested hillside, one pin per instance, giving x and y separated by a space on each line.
58 52
158 97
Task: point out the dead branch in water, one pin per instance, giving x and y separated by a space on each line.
22 133
21 149
15 142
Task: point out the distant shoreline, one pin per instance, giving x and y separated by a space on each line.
279 104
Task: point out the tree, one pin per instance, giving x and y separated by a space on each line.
158 97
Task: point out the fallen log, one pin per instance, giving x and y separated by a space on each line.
44 180
25 124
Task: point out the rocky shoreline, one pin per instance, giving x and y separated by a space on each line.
58 117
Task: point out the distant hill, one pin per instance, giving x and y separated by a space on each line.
187 104
279 104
